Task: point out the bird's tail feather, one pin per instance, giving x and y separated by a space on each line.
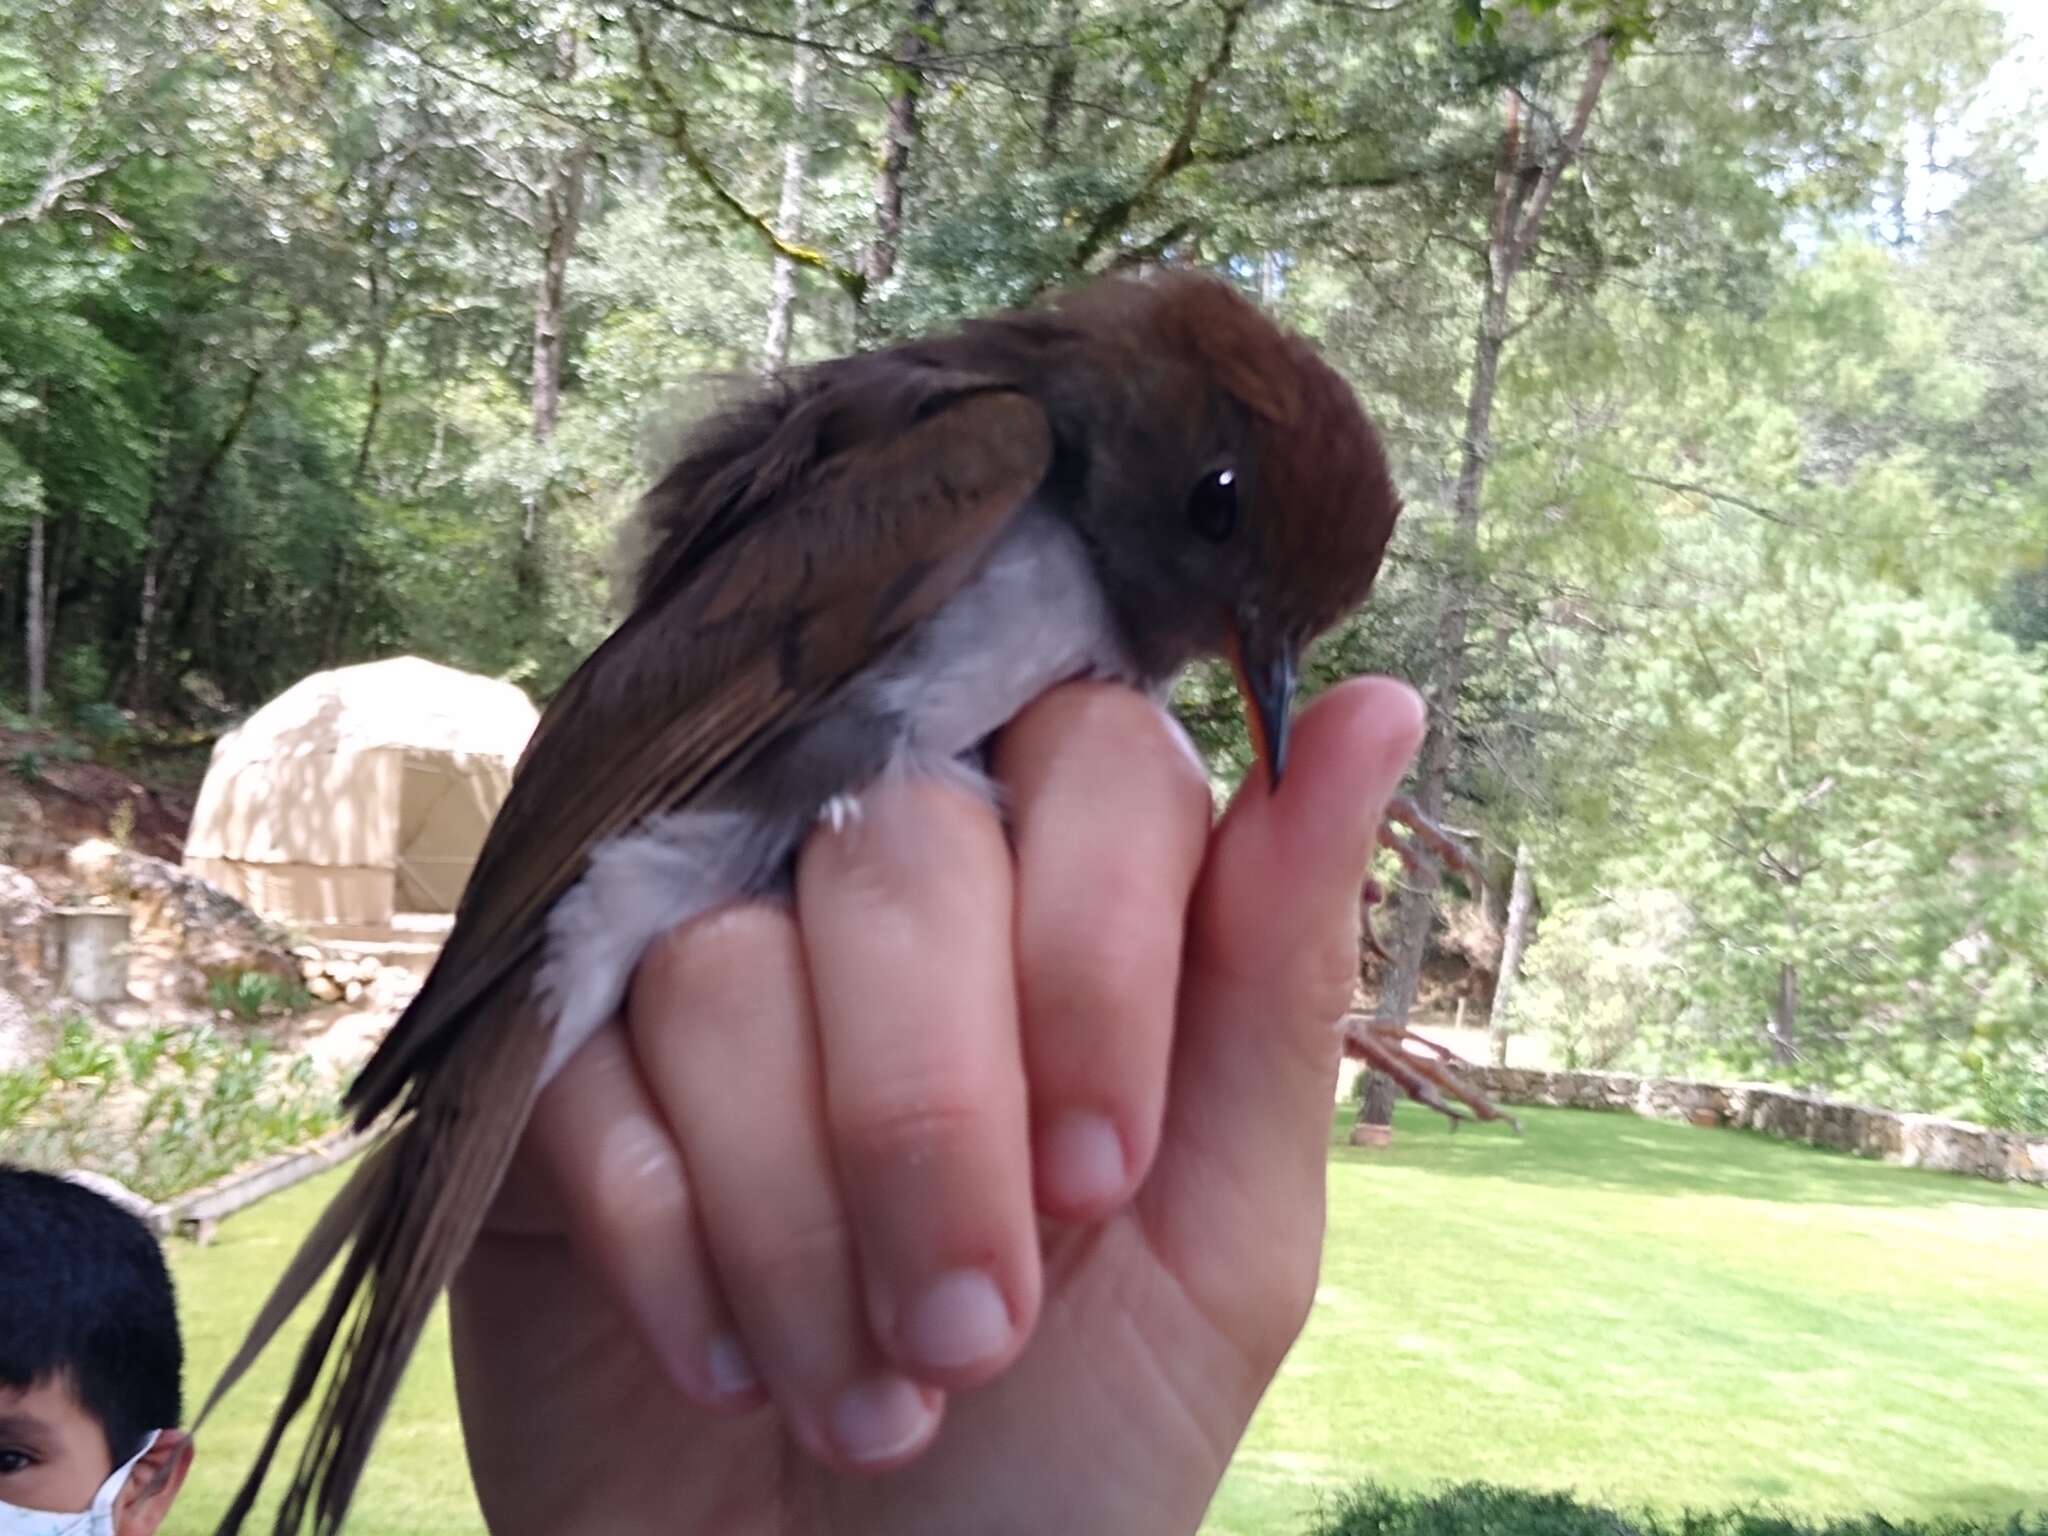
408 1219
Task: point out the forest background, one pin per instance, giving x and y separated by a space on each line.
1709 336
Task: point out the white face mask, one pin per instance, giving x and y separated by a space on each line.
96 1521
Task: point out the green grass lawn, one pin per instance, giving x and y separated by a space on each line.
1644 1313
1652 1314
418 1480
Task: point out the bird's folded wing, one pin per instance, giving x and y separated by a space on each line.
740 644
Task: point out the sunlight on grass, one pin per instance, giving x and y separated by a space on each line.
1644 1313
418 1480
1657 1315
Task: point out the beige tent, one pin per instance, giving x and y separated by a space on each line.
359 793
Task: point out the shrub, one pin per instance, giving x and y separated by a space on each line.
253 995
163 1112
104 724
1605 975
2013 1095
80 678
1481 1509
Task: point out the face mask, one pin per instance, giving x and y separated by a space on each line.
96 1521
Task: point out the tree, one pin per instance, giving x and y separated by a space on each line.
1844 791
1634 202
789 209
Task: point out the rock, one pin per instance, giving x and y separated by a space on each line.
217 935
324 989
1919 1141
25 836
95 863
23 911
312 970
2027 1159
310 953
352 992
23 1042
393 987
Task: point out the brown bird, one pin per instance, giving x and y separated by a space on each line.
869 569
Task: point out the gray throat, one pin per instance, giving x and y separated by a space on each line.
1031 617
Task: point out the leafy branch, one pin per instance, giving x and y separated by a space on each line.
674 127
1111 220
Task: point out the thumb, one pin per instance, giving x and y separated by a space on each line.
1272 953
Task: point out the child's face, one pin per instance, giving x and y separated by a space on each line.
53 1456
52 1452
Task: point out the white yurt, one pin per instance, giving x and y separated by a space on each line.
359 794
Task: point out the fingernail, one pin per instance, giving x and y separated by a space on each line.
1081 1160
880 1418
961 1319
732 1372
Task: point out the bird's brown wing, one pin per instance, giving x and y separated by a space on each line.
862 544
759 620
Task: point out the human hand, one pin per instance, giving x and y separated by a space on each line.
733 1274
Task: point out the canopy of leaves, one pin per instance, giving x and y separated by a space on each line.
329 330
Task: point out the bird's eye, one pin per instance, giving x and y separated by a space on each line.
1212 505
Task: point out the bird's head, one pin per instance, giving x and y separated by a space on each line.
1236 497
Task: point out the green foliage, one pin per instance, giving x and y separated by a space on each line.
1608 973
268 395
2012 1092
252 995
163 1111
1841 787
1482 1509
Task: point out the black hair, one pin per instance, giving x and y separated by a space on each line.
85 1298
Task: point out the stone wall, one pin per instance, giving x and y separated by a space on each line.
1914 1141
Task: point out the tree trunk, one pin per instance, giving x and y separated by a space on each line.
789 211
1521 197
145 618
35 637
562 214
340 583
561 218
1521 897
1416 910
1418 898
1059 85
913 47
373 410
1785 1017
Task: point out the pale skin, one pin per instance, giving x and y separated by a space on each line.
54 1456
983 1190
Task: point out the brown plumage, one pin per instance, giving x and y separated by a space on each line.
1213 484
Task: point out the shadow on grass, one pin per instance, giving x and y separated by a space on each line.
1480 1509
1624 1153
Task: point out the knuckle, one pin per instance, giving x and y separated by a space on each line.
795 1255
923 853
1112 967
636 1179
1288 1304
1325 971
907 1122
716 956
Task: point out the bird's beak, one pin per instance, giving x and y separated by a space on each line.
1266 677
